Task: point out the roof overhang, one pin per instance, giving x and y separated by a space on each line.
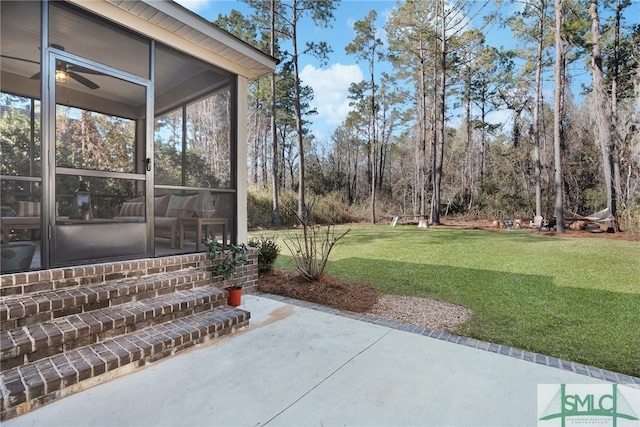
173 25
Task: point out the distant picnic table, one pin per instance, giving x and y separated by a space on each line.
395 218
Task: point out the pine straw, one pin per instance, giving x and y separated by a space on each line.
330 291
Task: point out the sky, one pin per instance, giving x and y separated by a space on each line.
331 81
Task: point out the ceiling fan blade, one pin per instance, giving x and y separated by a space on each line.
82 80
19 59
79 69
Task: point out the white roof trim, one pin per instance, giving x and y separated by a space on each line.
226 51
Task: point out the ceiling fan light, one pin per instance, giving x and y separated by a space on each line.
61 76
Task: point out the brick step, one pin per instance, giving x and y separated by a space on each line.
58 278
27 387
23 310
30 343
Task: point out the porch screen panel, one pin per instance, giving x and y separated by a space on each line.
193 151
20 146
209 141
100 165
168 140
95 141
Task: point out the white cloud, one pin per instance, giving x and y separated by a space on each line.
331 90
501 117
194 5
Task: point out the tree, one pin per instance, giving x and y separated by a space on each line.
451 23
602 109
274 132
321 13
558 115
364 46
534 33
345 157
267 20
411 31
490 68
541 11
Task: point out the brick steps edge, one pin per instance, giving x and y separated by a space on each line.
22 310
28 387
47 339
58 278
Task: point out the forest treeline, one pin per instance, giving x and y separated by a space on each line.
419 141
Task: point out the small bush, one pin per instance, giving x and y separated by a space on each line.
269 251
259 209
630 219
330 209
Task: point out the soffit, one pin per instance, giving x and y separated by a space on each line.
204 40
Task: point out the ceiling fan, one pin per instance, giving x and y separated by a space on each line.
64 70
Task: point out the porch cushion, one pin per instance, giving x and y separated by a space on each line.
28 208
161 203
132 209
181 207
162 222
128 219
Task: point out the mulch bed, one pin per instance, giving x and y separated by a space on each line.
330 291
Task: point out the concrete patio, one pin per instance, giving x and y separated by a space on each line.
295 366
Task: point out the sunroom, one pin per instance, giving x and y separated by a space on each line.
122 128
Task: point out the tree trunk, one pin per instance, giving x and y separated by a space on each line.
483 146
468 156
373 140
557 116
256 140
602 117
435 217
536 112
441 119
422 166
354 186
274 134
616 142
298 111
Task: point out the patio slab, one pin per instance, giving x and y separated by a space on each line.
295 366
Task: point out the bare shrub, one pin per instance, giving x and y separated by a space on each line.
311 248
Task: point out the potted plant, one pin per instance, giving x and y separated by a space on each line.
225 263
85 211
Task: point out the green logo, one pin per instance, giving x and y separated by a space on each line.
589 401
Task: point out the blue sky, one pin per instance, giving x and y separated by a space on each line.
330 82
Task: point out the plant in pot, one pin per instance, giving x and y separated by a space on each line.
85 211
225 263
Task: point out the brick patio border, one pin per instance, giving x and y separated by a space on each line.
553 362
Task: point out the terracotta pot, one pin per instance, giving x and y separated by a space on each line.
235 296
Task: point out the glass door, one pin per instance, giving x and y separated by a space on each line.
99 191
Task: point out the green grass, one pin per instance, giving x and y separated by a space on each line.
575 299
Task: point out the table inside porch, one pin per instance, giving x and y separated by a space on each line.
204 227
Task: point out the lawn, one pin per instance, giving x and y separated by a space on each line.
572 298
